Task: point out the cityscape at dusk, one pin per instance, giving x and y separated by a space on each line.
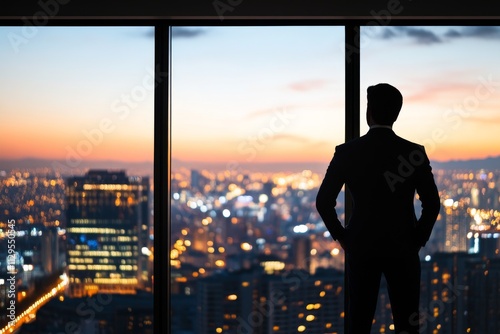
256 114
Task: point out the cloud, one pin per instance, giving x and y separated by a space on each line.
426 36
434 91
307 85
485 121
419 35
150 33
422 36
182 32
388 33
452 33
478 32
140 32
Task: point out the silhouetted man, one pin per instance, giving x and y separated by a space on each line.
383 235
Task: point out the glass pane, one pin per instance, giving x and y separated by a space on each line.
256 114
449 78
76 173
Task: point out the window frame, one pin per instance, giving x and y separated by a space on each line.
162 106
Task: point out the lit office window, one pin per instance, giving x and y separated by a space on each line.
256 114
76 173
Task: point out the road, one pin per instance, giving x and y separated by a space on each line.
30 313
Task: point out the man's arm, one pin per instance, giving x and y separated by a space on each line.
326 200
429 196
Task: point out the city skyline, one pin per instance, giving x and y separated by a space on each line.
223 223
262 94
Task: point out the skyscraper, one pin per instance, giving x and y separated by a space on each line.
444 292
457 227
50 250
250 301
484 304
301 253
107 214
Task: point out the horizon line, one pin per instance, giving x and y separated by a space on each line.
176 160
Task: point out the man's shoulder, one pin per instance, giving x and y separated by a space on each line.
367 143
355 143
409 143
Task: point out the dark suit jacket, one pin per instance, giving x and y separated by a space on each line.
382 172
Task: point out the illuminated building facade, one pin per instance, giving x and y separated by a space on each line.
251 301
50 250
107 214
457 227
226 301
301 253
444 292
304 303
484 304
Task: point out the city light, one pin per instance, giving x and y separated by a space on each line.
290 236
246 246
300 228
263 198
448 202
31 310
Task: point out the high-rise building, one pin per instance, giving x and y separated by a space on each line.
198 181
301 253
225 302
251 301
50 250
306 303
489 244
443 297
457 226
107 214
484 303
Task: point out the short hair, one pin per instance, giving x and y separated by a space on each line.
385 102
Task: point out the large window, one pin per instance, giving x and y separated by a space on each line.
256 112
449 78
76 176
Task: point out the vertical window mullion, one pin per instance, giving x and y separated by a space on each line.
161 284
352 81
352 120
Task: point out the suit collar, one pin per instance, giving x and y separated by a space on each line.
380 131
378 126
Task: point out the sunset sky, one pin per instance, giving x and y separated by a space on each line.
63 93
243 94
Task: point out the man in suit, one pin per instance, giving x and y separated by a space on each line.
382 172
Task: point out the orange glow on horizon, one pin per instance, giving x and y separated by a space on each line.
141 151
28 142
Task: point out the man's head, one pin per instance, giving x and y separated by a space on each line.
384 104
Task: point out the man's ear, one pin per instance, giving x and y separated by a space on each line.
369 118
